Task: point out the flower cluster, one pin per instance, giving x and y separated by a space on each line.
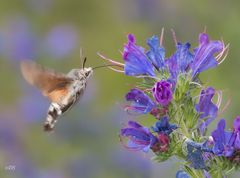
172 96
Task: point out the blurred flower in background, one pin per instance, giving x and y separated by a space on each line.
12 147
18 39
61 40
137 165
32 105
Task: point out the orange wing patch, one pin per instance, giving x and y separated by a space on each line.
51 83
57 95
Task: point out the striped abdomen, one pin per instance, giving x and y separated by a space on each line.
55 110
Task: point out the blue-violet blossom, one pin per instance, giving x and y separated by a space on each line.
207 109
156 54
162 92
136 62
141 103
226 142
139 137
163 126
180 60
204 54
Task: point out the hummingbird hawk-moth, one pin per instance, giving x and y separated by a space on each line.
63 90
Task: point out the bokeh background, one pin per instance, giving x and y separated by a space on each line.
85 143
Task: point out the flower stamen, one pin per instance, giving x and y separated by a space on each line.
222 56
110 60
161 37
174 37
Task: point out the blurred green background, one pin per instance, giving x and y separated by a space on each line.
85 142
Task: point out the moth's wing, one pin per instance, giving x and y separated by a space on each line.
54 85
57 94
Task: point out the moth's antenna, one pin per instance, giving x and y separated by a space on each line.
108 65
84 62
81 56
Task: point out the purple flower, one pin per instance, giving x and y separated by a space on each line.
196 153
180 60
204 54
61 40
141 103
139 137
156 53
207 109
162 92
163 126
223 140
136 62
195 157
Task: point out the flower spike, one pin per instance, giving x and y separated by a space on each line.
167 93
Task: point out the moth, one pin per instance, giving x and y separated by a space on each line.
63 90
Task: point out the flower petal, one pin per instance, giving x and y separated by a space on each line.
236 124
156 53
162 92
163 126
206 108
134 124
180 60
136 62
204 54
195 157
141 103
237 141
139 137
223 140
219 137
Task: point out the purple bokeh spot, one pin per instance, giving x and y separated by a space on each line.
33 106
61 40
18 39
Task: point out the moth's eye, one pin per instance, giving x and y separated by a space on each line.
87 73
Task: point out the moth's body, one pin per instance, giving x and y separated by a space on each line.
63 90
75 91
